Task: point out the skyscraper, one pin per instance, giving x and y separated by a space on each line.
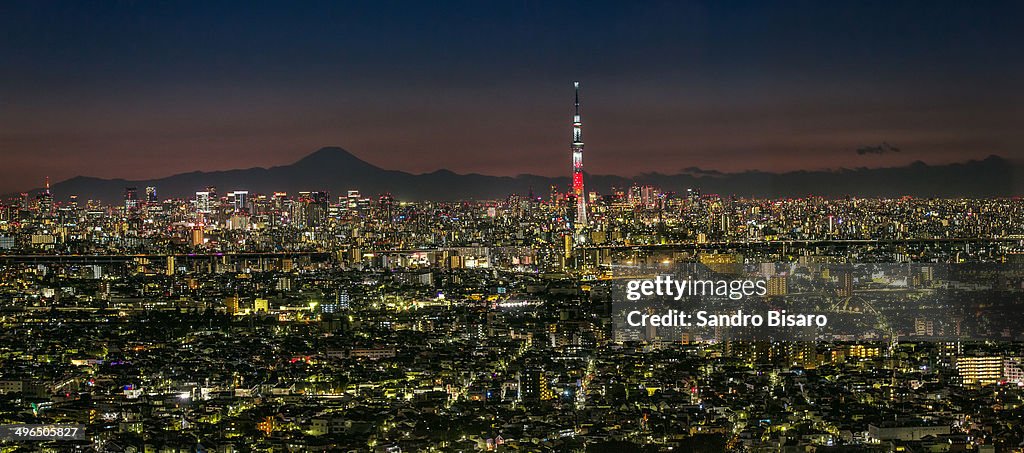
46 200
577 162
131 198
240 201
203 203
314 208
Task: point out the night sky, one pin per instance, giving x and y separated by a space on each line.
148 89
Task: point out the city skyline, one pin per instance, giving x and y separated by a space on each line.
330 226
337 171
142 91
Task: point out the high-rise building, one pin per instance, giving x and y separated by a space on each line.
261 305
340 303
948 351
778 285
277 201
131 198
1013 371
924 327
198 233
203 202
231 304
213 202
151 203
45 200
353 199
314 208
240 200
386 203
979 370
577 161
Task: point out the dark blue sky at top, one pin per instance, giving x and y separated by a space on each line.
146 89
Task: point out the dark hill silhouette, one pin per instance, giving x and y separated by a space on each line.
337 170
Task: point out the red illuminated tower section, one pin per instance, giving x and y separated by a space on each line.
577 162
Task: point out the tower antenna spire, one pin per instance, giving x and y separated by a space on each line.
576 86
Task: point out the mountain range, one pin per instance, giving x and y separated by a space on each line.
337 171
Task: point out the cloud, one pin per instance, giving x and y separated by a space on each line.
884 148
697 171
